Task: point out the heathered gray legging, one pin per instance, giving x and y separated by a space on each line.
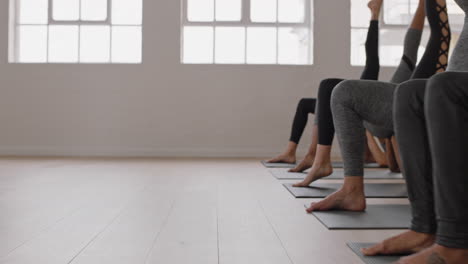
358 105
431 128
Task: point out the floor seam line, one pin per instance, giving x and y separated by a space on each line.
166 220
275 232
120 213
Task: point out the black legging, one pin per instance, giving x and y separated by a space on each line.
435 57
308 106
305 107
372 68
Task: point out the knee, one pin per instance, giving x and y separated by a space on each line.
342 94
407 97
440 88
302 104
439 85
326 87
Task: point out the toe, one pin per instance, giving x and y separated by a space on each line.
319 206
372 251
300 184
311 208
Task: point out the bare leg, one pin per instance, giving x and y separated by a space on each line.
419 17
377 154
375 6
437 255
308 160
288 156
349 198
321 168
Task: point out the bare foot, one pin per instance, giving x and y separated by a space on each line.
437 254
317 172
345 199
375 6
284 158
305 164
406 243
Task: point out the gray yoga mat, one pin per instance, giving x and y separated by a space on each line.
334 164
366 165
278 165
283 174
385 216
373 190
356 248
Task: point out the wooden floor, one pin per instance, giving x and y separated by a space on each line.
168 211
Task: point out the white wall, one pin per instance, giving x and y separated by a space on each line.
163 108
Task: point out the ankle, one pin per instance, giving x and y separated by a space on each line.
353 184
452 253
291 149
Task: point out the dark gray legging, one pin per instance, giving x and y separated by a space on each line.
431 123
358 105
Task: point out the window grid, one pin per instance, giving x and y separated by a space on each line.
246 22
79 23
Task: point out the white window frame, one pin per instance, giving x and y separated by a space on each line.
246 22
14 25
80 22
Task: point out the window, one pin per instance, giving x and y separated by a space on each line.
396 16
76 31
247 32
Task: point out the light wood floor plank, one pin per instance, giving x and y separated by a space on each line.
197 211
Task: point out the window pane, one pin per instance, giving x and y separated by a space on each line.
228 10
391 47
94 44
63 44
398 12
358 51
66 10
456 16
230 45
360 14
291 11
261 45
32 44
198 45
200 10
293 46
33 11
127 12
126 44
263 10
93 10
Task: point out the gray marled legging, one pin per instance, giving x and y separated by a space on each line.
358 105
